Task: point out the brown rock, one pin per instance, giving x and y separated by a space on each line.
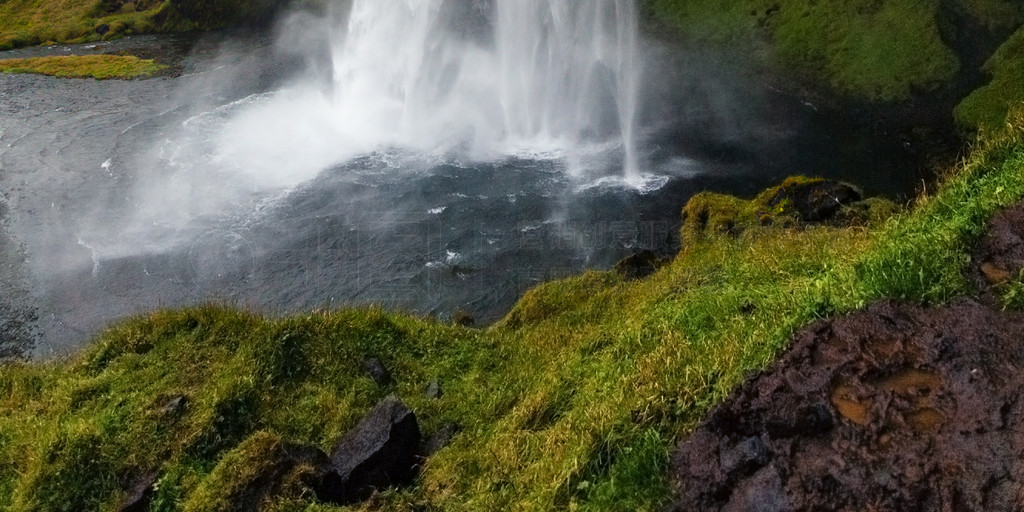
994 274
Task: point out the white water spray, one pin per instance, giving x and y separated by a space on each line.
482 79
540 75
476 80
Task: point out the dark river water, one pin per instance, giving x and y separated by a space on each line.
98 223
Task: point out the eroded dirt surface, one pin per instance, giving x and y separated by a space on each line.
894 408
999 257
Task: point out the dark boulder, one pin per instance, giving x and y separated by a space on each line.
815 200
745 457
382 451
140 494
897 407
102 29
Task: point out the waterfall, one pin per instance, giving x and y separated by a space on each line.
490 77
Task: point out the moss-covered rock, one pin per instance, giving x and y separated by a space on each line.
796 201
986 109
711 214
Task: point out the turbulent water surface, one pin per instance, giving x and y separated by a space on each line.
427 155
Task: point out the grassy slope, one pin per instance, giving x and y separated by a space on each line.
866 48
986 108
101 67
572 401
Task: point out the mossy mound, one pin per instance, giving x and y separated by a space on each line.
986 109
797 201
100 67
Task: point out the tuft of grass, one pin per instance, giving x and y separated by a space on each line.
1012 294
100 67
237 479
865 48
573 401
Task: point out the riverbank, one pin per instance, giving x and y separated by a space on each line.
575 399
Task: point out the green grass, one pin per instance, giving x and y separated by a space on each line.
32 22
573 401
864 48
995 14
101 67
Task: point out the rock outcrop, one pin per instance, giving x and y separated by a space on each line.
815 200
382 451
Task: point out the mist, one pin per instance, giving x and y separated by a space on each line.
427 155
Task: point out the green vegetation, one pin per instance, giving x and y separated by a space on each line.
986 108
571 402
865 48
1013 293
996 14
575 398
100 67
31 22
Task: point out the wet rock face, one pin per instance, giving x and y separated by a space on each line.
894 408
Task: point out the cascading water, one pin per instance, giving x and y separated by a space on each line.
490 77
448 154
432 155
